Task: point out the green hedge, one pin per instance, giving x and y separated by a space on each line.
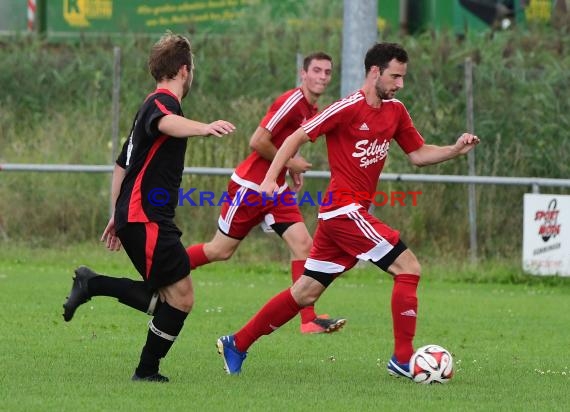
56 108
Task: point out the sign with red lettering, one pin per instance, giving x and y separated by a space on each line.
546 234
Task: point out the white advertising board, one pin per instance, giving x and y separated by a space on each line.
546 234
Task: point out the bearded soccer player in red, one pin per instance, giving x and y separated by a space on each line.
359 131
248 208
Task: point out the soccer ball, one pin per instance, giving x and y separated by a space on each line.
431 364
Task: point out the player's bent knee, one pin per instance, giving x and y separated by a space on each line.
305 247
224 254
184 303
187 299
187 306
405 262
217 253
180 295
306 299
297 238
411 268
307 290
304 243
414 269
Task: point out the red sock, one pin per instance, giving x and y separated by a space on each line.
280 309
404 315
197 256
297 269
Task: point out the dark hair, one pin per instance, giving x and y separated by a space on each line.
381 54
315 56
168 54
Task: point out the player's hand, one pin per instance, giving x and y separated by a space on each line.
219 128
269 187
466 142
110 237
298 180
298 164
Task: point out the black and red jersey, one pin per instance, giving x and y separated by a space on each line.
153 162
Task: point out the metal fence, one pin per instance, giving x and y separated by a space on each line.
534 183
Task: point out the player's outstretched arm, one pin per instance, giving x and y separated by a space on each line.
261 142
432 154
178 126
289 148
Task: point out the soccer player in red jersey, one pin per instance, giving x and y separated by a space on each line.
145 185
359 131
248 208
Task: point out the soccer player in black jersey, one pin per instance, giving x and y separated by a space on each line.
145 185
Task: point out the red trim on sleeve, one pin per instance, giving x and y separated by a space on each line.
162 107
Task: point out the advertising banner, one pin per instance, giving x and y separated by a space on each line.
69 17
546 234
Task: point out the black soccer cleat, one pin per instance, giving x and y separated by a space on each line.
79 293
156 377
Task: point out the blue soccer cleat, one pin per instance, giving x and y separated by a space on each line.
397 369
233 358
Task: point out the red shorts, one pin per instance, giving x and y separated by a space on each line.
248 209
342 240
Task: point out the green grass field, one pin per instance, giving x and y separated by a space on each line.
509 341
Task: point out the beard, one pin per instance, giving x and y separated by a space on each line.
186 87
382 94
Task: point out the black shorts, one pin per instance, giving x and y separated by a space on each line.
156 252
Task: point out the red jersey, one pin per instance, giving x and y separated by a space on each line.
283 117
358 138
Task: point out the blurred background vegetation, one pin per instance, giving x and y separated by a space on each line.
56 108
